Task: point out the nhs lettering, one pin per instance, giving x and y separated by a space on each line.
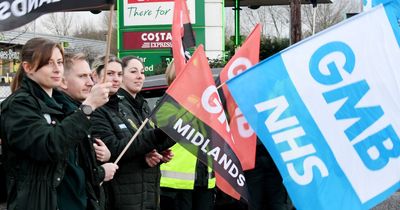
381 144
327 109
299 154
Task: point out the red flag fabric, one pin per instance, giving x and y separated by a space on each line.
244 137
182 35
192 114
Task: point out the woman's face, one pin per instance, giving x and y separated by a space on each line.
50 75
114 75
133 77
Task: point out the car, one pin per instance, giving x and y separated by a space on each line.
154 88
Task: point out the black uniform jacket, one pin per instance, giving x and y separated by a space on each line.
135 185
36 135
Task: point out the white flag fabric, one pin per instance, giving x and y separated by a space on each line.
328 111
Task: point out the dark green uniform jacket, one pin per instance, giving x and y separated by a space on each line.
94 173
38 138
135 185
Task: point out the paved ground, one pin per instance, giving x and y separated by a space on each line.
393 203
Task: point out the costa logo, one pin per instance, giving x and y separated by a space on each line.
157 36
147 40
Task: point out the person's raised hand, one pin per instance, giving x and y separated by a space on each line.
99 95
103 154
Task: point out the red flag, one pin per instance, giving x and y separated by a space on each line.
182 35
192 114
244 137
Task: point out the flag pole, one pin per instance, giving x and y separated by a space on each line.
129 143
314 17
108 46
219 86
136 134
106 58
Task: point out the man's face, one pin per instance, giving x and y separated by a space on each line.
78 81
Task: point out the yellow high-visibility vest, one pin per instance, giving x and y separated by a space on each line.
180 172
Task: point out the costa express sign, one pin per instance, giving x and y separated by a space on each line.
147 40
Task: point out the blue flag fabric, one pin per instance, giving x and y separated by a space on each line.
368 4
327 109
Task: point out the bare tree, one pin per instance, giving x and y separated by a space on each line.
99 32
88 31
327 14
274 20
106 18
59 23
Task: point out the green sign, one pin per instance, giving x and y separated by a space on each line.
155 62
144 30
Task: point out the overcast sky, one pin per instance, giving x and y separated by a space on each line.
78 19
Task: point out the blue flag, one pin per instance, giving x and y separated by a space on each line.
368 4
327 109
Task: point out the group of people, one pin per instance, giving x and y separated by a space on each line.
67 124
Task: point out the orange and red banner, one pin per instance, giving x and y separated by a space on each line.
182 35
191 113
243 135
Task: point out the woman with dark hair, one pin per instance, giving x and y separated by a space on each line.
136 185
41 134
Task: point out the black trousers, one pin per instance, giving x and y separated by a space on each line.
264 182
200 198
3 191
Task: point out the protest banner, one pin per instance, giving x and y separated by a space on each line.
245 138
16 13
327 110
192 114
182 35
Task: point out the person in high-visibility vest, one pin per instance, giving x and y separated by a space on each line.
186 183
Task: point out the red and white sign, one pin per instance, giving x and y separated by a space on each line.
147 40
